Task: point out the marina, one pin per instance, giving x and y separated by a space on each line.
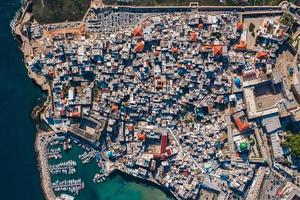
99 178
67 167
72 186
192 100
97 183
54 153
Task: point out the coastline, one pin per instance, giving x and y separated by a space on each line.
25 45
39 148
42 166
46 178
39 81
40 145
149 182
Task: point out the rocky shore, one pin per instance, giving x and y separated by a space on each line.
22 17
40 149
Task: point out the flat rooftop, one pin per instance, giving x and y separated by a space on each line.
267 101
261 104
264 96
88 129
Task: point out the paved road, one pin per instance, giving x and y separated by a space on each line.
263 146
291 9
229 133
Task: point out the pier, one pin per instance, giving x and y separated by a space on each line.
67 167
42 139
185 157
73 186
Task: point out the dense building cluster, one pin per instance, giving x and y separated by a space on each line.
180 99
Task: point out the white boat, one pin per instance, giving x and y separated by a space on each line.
66 197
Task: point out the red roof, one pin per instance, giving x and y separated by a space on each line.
141 136
193 36
136 32
164 143
218 50
262 54
75 114
156 156
200 26
174 50
169 152
163 157
139 47
241 46
239 26
242 126
114 107
159 156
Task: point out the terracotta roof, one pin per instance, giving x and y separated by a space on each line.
141 136
207 46
114 107
200 26
262 54
174 50
241 46
193 36
136 32
218 50
239 26
75 114
164 143
139 47
242 126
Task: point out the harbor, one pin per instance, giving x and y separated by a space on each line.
97 183
67 167
188 102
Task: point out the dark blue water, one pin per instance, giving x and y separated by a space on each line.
18 165
18 95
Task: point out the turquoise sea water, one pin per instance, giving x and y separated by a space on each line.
116 187
18 166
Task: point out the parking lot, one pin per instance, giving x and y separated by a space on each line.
99 20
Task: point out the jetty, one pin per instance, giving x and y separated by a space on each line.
73 186
67 167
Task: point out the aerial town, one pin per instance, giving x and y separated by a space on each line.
200 103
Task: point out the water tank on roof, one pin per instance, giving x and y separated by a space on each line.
181 71
110 154
232 98
237 82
